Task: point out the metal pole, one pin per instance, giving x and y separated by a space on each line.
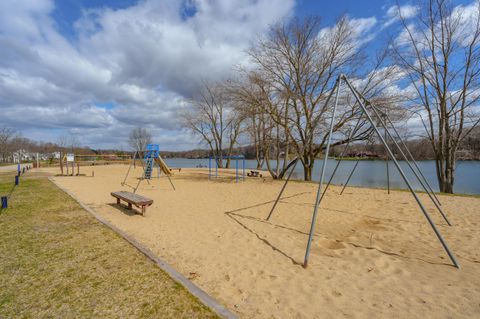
386 162
349 176
170 180
138 184
411 158
243 164
298 157
236 170
344 152
129 167
419 202
209 167
283 188
412 169
322 175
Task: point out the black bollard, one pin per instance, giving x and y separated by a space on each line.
4 202
16 179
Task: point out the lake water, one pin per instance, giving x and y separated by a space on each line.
371 173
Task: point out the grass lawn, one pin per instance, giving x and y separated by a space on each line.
56 260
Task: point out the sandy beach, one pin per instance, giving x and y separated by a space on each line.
373 256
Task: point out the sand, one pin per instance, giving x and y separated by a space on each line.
374 255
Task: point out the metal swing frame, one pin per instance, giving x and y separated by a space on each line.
363 102
143 175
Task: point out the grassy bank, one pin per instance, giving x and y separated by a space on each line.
56 260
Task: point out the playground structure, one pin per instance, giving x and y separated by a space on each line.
373 115
234 157
151 160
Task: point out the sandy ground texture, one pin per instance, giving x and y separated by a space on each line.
374 255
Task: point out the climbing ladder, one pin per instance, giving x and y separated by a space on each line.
148 159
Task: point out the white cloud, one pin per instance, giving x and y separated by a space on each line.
362 31
395 12
143 59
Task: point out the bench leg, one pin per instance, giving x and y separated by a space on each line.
143 210
129 206
118 201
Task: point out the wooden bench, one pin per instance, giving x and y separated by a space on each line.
133 199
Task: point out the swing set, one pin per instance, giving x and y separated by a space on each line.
377 120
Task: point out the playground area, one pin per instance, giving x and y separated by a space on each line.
373 254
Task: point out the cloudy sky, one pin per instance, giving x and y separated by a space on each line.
96 69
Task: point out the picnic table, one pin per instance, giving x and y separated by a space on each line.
254 174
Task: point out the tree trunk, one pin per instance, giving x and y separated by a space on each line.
308 162
446 175
61 162
219 162
307 173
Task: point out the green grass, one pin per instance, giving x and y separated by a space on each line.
57 261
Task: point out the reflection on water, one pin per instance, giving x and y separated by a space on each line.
371 173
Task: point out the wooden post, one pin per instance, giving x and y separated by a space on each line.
4 202
61 162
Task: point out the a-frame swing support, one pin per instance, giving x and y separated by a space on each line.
390 154
151 157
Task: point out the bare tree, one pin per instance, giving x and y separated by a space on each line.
62 142
139 138
301 62
6 134
213 117
73 143
256 98
440 52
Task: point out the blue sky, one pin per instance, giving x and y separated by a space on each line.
97 69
